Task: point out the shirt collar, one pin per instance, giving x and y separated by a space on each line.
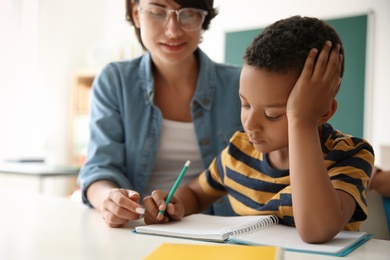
205 87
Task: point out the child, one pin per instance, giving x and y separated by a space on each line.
289 162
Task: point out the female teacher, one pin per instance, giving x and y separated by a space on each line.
151 114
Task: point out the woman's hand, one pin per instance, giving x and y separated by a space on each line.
120 206
156 202
116 206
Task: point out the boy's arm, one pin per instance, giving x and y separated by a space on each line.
204 200
320 211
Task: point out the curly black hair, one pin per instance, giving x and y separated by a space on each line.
284 45
206 5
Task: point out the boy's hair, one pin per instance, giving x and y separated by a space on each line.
206 5
284 45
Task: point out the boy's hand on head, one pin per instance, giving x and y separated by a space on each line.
313 94
156 202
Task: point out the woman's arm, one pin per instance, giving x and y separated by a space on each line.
380 181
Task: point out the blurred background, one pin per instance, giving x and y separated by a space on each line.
50 51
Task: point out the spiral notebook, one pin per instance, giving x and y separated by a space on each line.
252 230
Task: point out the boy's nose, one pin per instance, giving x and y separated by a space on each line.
253 122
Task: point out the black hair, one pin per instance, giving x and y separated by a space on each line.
284 45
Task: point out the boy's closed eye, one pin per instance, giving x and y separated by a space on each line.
272 117
245 105
274 113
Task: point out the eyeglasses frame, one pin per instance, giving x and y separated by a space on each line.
168 12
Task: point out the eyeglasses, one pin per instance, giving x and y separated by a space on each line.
189 19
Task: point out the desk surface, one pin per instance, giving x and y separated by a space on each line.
34 226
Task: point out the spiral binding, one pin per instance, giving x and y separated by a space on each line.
251 227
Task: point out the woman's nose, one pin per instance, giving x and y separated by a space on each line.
172 27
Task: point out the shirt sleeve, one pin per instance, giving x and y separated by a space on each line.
351 172
211 180
106 145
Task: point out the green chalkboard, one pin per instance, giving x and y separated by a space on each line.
349 117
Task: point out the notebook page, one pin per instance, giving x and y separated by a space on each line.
288 238
198 226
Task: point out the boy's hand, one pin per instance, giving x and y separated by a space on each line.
156 202
313 94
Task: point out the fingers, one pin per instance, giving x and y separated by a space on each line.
159 200
317 83
326 70
120 206
328 65
321 65
333 68
156 203
153 204
331 77
308 67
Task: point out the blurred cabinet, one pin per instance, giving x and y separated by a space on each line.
82 80
39 178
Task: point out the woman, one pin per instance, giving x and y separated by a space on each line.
151 114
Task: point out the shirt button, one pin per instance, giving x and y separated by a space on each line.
205 141
206 101
198 114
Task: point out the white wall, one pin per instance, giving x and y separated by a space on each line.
18 78
66 30
74 34
43 42
81 33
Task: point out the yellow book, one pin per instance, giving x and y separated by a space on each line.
211 252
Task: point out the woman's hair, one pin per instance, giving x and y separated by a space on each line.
206 5
284 45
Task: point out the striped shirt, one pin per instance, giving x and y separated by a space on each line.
254 187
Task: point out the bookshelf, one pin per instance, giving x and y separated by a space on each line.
82 80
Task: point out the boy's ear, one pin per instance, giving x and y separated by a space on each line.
325 118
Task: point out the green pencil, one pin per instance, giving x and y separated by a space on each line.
176 185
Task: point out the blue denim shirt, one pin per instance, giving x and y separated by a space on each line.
125 122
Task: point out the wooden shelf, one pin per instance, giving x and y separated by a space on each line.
82 80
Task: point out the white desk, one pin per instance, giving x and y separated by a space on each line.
34 226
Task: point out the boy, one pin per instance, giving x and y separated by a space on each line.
289 162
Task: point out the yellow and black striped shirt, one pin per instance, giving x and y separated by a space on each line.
254 187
